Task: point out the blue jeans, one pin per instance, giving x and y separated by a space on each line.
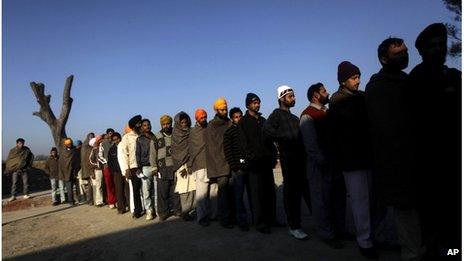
147 188
14 182
238 181
60 183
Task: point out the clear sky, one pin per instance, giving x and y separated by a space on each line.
156 57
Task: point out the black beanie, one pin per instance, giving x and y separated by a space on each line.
346 70
433 30
251 97
134 120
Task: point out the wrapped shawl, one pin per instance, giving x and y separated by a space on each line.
85 162
180 137
65 164
18 158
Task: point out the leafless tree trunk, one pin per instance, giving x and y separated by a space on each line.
57 126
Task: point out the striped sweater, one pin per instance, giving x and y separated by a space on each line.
234 155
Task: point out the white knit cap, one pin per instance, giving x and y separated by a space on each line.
92 142
283 90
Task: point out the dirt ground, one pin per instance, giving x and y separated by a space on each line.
90 233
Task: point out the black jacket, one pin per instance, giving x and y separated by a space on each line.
259 152
142 151
349 131
113 163
390 119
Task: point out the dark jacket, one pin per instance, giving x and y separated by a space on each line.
67 164
197 151
51 167
436 109
113 163
87 170
284 128
259 152
392 140
142 151
349 131
232 150
215 158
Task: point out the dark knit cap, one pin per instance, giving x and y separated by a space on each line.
433 30
346 70
251 97
134 120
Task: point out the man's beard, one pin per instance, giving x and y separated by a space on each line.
167 130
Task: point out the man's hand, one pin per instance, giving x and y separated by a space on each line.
127 174
184 173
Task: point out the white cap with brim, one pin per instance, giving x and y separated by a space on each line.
283 90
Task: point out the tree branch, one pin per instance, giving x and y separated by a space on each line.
67 101
45 113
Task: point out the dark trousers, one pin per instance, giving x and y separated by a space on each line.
167 198
122 191
69 188
294 180
14 182
240 183
226 206
136 186
263 197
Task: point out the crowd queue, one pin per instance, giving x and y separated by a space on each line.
395 145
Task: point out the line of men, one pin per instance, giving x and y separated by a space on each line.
397 144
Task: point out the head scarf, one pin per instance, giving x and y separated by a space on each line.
180 136
68 141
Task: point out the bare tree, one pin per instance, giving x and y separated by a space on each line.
453 31
57 126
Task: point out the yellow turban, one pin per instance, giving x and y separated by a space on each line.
165 119
68 141
220 104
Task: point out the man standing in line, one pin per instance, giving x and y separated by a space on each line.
205 192
162 163
437 102
120 182
18 162
314 127
185 182
52 170
67 167
236 161
128 161
86 171
109 183
260 158
284 128
97 161
142 154
218 169
351 150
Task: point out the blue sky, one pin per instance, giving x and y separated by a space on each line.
157 57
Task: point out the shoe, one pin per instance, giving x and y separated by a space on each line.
369 253
26 196
55 203
111 206
149 215
121 212
71 204
12 199
136 215
333 243
263 229
298 234
244 228
99 205
204 222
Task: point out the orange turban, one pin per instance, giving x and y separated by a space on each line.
200 113
68 141
220 104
